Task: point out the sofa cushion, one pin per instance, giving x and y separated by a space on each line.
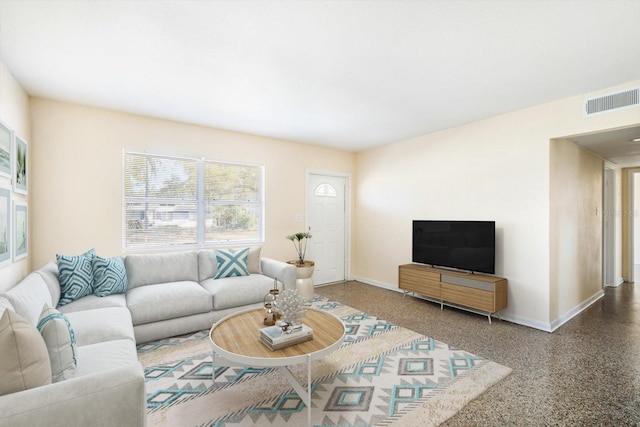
24 361
105 355
167 301
60 341
101 324
232 263
238 291
109 276
161 268
93 301
29 296
75 274
49 272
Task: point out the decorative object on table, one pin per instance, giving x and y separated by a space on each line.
20 168
275 339
291 307
271 304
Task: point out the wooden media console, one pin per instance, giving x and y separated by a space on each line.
474 292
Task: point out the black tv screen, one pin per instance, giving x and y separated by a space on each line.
465 245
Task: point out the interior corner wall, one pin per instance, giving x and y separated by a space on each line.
494 169
576 237
77 174
14 112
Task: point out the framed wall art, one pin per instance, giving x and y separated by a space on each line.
5 226
6 142
20 166
20 230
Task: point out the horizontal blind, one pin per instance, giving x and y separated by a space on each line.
163 208
160 201
232 198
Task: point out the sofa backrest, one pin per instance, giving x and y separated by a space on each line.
207 265
49 272
29 297
5 304
151 269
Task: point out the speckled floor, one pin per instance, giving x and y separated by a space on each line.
586 373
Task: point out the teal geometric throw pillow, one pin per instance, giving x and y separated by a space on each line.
75 274
232 263
109 276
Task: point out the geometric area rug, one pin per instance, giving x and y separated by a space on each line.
382 375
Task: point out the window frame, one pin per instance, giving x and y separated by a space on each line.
200 202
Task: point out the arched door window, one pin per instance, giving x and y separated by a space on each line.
325 190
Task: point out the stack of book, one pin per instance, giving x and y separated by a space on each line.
275 339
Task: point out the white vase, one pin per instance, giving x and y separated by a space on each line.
304 282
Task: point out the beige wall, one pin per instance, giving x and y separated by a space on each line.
14 112
490 170
77 174
494 169
575 229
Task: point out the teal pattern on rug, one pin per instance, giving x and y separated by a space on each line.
374 391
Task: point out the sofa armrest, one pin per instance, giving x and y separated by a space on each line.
285 273
113 397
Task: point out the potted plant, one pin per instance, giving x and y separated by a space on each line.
300 243
304 268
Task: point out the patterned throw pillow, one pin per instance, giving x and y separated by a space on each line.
232 263
61 343
109 276
75 274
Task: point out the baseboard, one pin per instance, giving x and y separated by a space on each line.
546 327
576 310
618 283
542 326
377 283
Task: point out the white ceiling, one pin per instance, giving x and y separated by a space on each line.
346 74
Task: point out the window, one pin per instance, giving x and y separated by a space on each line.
325 190
173 201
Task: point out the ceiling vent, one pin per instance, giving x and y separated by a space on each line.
613 101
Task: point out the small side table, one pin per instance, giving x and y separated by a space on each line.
304 282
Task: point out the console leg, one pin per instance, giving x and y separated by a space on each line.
489 316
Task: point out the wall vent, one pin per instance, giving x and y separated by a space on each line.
613 101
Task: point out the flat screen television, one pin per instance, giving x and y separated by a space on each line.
464 245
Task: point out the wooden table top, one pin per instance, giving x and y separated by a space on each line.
239 334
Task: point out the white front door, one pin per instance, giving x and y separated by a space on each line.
326 221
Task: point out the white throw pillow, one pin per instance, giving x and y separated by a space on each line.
61 343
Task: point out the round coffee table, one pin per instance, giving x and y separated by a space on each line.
235 341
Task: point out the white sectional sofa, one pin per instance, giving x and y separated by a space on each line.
167 295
